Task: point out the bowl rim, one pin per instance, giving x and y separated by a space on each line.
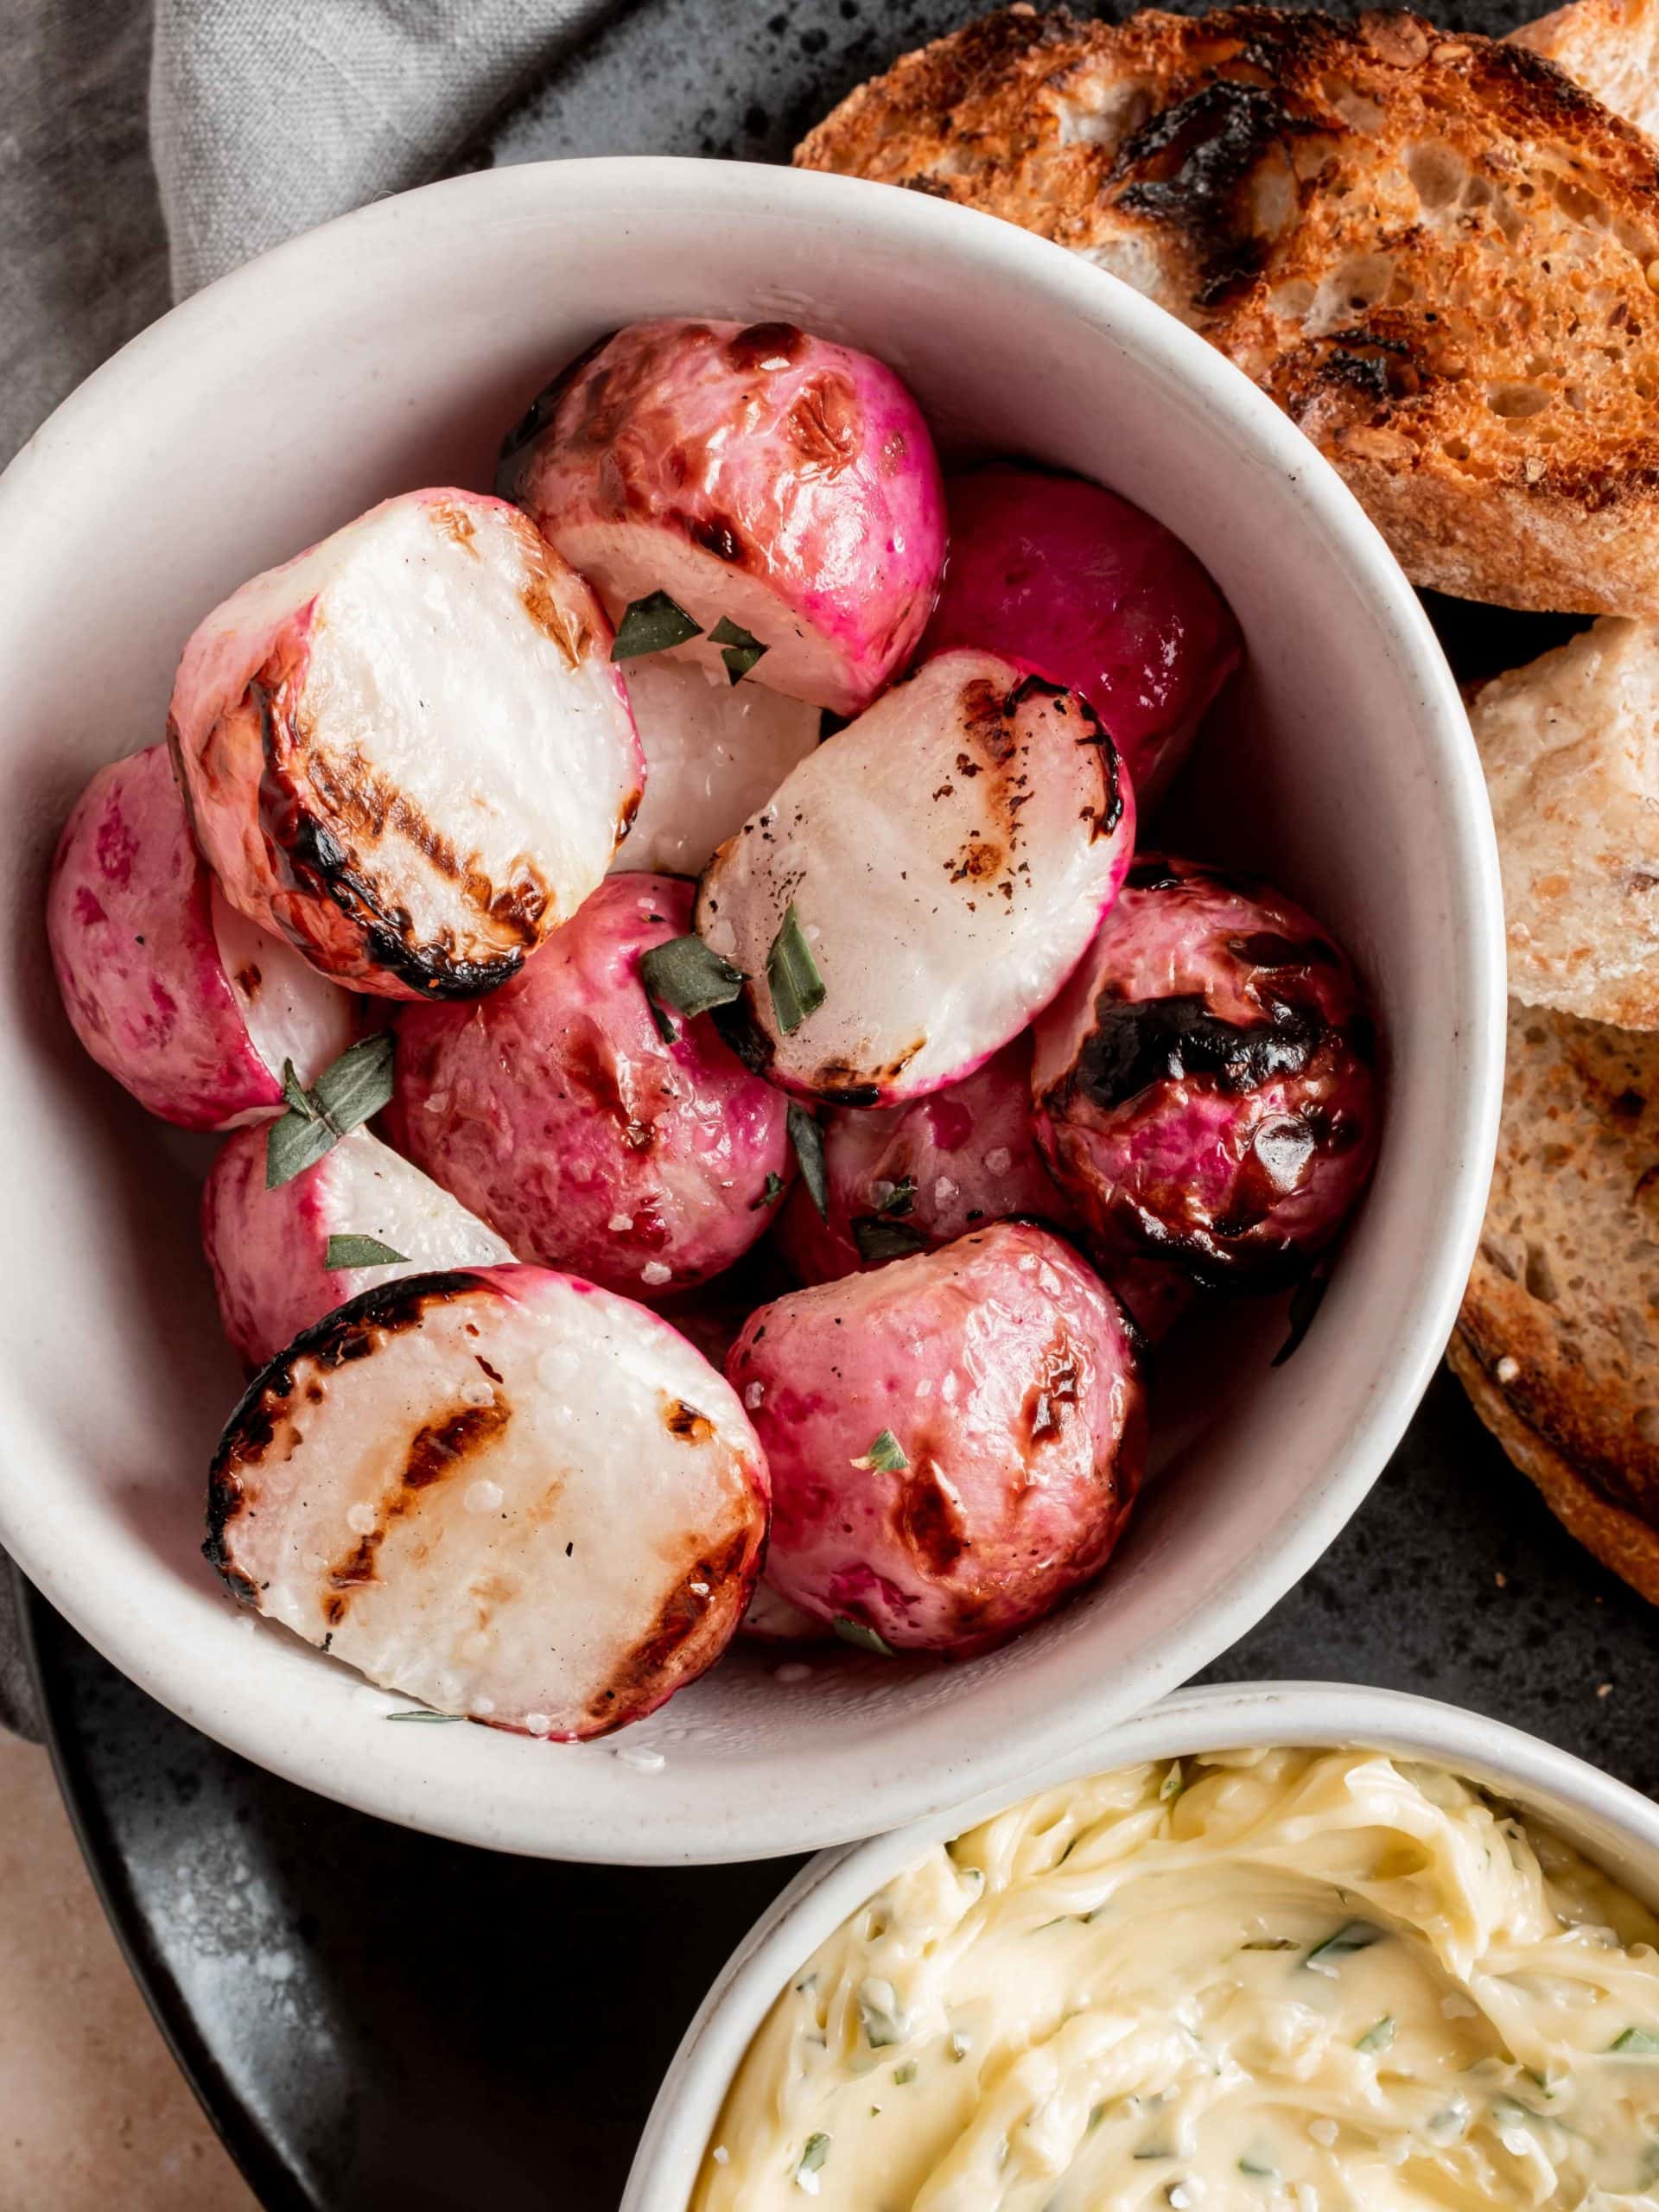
1571 1793
626 1822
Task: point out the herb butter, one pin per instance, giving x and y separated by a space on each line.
1296 1980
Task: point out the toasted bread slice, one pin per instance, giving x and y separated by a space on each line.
1431 249
1570 745
1611 47
1558 1340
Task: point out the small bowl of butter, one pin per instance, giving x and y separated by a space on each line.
1287 1948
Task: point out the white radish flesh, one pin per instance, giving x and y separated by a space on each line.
406 750
714 752
270 1250
947 856
503 1492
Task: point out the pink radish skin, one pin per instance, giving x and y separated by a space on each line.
171 992
1075 582
752 472
954 1161
972 1155
1205 1084
269 1250
555 1110
405 751
947 857
501 1492
1009 1376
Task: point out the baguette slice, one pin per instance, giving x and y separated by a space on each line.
1556 1341
1431 249
1611 47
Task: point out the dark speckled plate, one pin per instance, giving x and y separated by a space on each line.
375 2020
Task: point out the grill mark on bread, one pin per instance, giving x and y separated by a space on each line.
1239 165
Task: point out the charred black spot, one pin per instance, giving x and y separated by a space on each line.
350 1332
321 864
540 413
1137 1042
1112 813
1190 167
765 345
718 534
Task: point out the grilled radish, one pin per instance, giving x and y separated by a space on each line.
172 991
282 1259
770 486
921 885
502 1491
406 751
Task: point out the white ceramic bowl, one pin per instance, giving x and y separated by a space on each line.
1613 1826
389 350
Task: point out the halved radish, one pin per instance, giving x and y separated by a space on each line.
759 477
921 885
714 752
170 989
406 750
1072 581
502 1491
595 1129
282 1259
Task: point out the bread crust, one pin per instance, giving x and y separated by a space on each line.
1620 1540
1430 249
1556 1339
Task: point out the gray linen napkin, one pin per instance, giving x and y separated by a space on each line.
260 117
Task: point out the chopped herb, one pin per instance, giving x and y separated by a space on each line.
905 2073
1637 2043
651 624
295 1096
816 2151
356 1086
689 975
1380 2036
665 1027
1259 2166
1273 1944
886 1456
807 1139
1352 1935
423 1715
1172 1783
866 1638
797 989
901 1198
359 1252
1096 2113
1154 2151
1304 1301
742 648
771 1192
878 1240
878 2015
